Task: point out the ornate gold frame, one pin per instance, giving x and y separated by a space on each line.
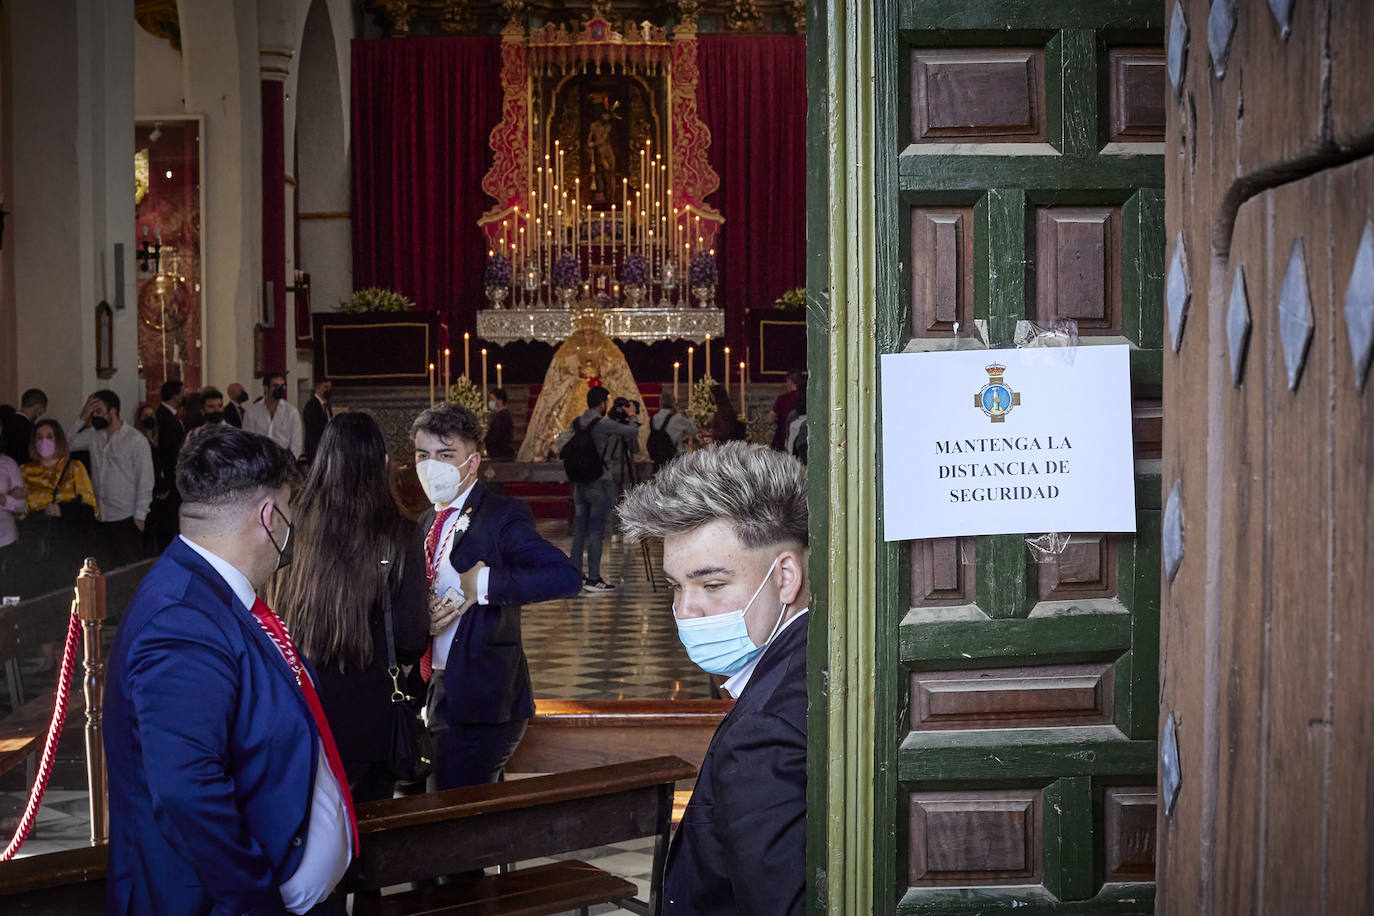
528 54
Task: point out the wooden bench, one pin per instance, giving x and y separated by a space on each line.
423 836
24 628
419 837
573 734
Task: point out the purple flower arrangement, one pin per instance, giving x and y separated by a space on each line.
567 272
498 271
703 269
636 270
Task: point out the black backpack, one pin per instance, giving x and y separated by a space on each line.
581 461
660 444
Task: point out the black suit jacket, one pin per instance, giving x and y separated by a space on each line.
18 432
486 677
501 435
314 420
741 846
233 414
170 436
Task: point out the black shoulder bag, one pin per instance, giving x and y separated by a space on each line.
410 755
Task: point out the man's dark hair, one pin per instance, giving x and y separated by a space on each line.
32 398
499 394
210 392
597 396
448 421
268 376
219 464
170 389
108 398
796 377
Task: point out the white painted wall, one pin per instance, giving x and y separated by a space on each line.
71 193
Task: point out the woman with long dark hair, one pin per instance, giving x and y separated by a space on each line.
353 553
725 425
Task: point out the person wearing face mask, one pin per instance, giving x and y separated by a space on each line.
122 469
483 560
214 406
226 789
500 439
315 416
56 531
275 417
734 527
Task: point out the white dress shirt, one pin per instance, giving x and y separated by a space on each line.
740 679
328 839
284 427
121 471
448 578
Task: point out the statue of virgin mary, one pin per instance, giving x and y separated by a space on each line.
586 359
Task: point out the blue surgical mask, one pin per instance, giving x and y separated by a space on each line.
720 643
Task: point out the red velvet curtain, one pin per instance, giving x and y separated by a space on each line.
423 110
752 97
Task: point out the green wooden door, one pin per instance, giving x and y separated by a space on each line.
985 717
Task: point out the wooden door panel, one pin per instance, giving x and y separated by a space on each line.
1266 640
1029 187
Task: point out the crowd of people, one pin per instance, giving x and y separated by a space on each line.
100 486
252 694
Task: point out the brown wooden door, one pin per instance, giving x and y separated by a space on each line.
1267 622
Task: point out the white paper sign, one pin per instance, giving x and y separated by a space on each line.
1007 442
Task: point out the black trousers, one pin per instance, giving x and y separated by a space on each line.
467 753
121 544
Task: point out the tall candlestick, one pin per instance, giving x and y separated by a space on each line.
676 366
743 410
708 355
484 375
467 369
727 370
498 376
448 379
689 371
431 384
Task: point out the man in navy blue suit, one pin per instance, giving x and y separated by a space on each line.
484 560
226 791
733 522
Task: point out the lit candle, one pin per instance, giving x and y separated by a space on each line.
708 355
431 384
689 369
743 411
675 369
448 379
498 376
467 369
484 375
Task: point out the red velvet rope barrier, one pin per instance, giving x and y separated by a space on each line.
59 718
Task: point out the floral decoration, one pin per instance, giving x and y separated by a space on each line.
465 394
373 299
702 407
792 299
703 269
498 271
636 270
567 272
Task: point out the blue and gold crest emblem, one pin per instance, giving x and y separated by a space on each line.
996 399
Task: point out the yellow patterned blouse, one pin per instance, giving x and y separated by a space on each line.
40 481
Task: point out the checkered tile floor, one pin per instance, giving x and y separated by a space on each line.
618 645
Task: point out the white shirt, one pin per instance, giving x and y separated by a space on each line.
121 471
328 842
283 428
740 679
448 578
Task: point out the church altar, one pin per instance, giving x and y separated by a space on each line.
503 326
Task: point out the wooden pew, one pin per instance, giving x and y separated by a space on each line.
423 836
409 839
572 734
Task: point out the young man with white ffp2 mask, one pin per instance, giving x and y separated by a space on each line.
734 527
483 561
